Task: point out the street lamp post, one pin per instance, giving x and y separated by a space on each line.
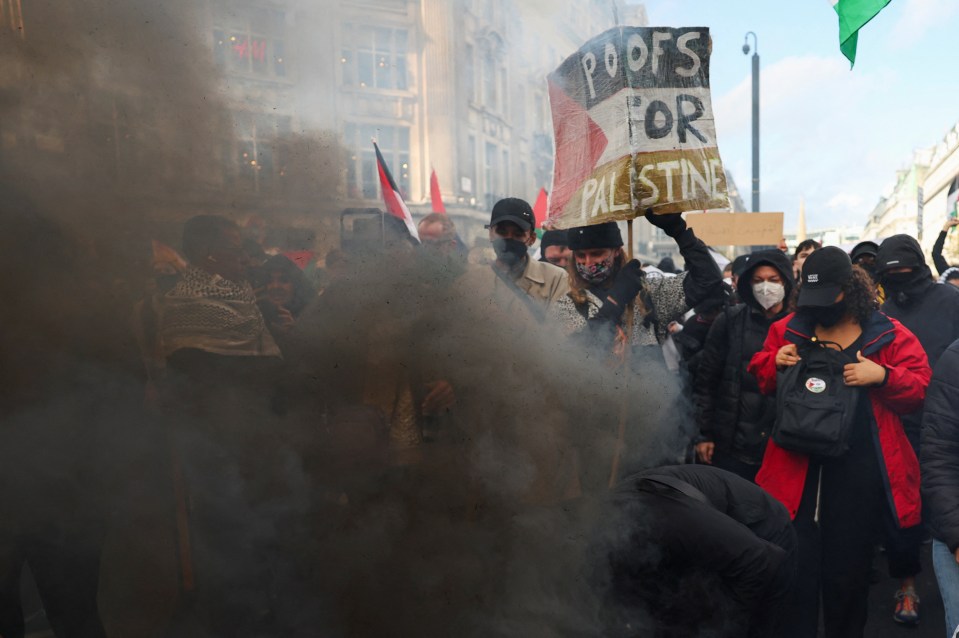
755 115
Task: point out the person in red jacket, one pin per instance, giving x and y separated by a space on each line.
837 505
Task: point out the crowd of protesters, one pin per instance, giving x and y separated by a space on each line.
277 399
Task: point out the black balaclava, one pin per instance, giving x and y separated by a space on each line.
902 251
552 238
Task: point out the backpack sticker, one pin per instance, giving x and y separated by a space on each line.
815 385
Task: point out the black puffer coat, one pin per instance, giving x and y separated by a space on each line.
731 411
929 310
939 454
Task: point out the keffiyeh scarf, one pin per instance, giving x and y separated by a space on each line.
207 312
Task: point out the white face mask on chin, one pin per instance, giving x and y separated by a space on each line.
768 294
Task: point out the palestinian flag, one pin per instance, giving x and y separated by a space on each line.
853 15
952 199
395 205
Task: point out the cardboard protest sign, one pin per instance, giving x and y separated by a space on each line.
737 229
634 129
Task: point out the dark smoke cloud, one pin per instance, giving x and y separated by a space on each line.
482 531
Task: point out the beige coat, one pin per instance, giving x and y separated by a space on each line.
544 283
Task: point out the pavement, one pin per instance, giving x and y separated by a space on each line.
882 603
145 619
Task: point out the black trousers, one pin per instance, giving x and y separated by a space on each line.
731 464
836 547
66 566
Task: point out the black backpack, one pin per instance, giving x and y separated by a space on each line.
815 409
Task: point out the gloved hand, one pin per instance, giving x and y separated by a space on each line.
628 284
672 224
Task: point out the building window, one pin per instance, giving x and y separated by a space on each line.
539 109
471 159
469 74
251 42
489 81
494 79
259 157
374 57
504 91
491 170
505 169
362 178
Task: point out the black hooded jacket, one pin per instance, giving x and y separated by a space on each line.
699 549
940 450
930 311
731 411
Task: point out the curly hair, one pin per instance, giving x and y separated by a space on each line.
861 296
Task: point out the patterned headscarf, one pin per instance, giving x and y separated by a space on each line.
207 312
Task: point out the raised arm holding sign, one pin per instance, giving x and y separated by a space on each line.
634 135
634 128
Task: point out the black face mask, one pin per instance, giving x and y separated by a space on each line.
902 281
827 316
509 251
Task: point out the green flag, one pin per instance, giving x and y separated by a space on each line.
853 15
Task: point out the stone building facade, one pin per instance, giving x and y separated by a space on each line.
283 97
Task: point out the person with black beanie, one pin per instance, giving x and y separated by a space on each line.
554 248
614 312
603 284
931 312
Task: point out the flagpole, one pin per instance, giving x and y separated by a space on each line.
624 406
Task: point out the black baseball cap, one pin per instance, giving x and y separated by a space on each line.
823 274
864 248
513 209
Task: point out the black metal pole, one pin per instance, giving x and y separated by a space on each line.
755 115
755 132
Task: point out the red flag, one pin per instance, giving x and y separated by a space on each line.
436 198
391 195
539 210
302 258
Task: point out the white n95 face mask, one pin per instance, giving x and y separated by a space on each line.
768 294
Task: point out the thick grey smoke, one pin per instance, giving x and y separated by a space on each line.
119 117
